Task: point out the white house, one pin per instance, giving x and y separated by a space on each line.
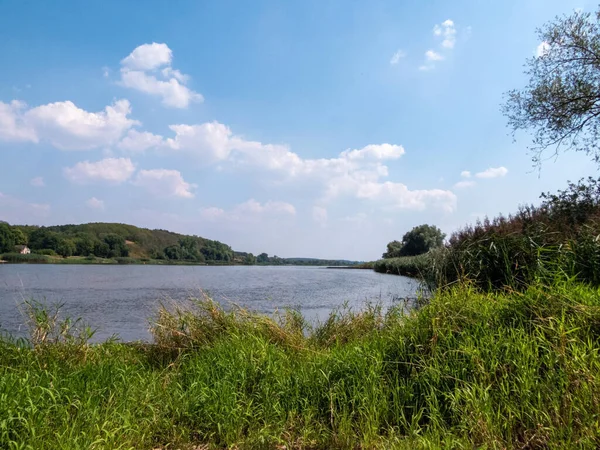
22 249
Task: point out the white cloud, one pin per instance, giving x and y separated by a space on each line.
254 207
212 213
382 151
431 55
140 71
139 141
12 124
250 210
164 183
465 174
148 57
447 31
64 125
68 127
393 195
396 57
464 184
346 174
37 182
492 172
319 215
94 203
110 170
542 49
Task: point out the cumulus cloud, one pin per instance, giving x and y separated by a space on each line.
109 170
64 125
37 182
164 183
447 31
380 152
492 172
12 124
94 203
464 184
139 141
68 127
465 174
346 174
148 69
396 57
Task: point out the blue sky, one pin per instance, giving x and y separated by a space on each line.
313 128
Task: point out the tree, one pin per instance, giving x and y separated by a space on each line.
19 236
43 238
250 259
85 245
417 241
173 252
393 250
102 250
116 244
66 247
7 240
263 258
561 103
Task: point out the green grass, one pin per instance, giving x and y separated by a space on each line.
468 370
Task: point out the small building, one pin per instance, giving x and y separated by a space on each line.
22 249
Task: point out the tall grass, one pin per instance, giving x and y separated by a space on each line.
468 370
29 258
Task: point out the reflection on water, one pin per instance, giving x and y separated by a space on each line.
121 299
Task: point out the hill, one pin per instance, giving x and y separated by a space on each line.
128 243
116 240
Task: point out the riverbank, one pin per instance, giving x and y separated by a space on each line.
469 369
32 258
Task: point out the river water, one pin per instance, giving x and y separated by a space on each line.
120 300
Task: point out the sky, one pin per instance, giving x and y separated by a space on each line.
302 129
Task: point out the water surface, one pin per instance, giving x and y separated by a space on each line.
121 299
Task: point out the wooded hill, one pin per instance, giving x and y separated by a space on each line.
123 242
113 240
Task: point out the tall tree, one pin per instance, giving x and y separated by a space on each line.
417 241
561 102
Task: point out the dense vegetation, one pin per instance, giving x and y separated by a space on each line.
561 235
113 240
128 244
469 370
417 241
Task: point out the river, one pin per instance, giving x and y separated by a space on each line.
120 300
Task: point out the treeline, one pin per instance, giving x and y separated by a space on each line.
559 237
113 240
265 259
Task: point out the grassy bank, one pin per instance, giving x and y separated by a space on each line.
504 370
